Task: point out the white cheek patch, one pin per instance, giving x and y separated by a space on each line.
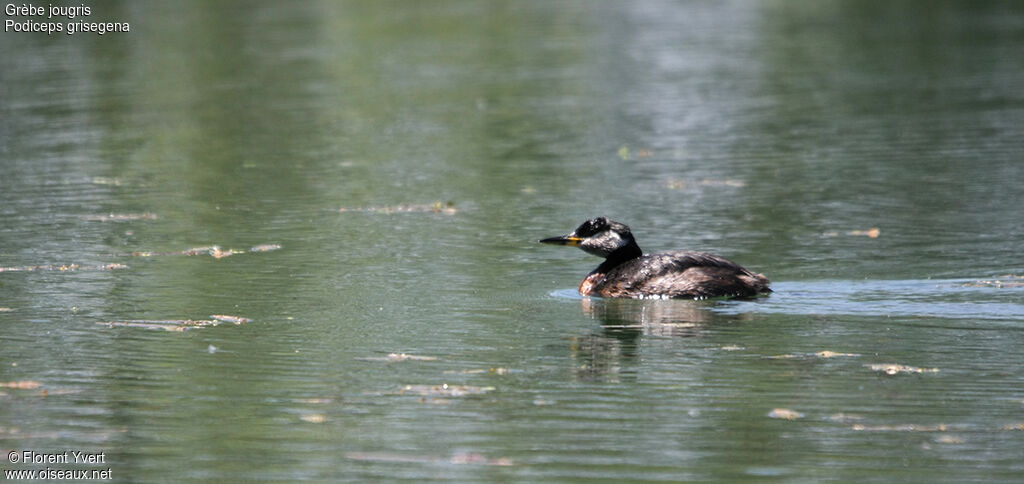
616 240
603 245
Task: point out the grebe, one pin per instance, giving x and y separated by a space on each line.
627 272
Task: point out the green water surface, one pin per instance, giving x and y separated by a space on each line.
407 156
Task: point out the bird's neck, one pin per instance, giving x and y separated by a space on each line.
626 253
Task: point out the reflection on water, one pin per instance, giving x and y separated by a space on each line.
669 318
865 156
623 322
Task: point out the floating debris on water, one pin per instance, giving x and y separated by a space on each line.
444 390
212 250
230 319
833 354
871 233
820 354
313 418
900 428
6 310
676 184
102 180
172 326
408 357
728 182
732 348
21 385
459 458
120 217
65 268
398 357
1014 426
1000 282
996 284
478 371
197 250
785 414
178 325
844 417
626 154
447 208
476 458
893 369
220 254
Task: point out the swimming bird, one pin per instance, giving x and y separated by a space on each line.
626 272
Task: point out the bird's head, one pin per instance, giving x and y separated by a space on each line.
598 236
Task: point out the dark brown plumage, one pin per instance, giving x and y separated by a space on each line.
627 272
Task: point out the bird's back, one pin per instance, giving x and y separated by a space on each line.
680 274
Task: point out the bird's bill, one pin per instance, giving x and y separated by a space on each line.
563 240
